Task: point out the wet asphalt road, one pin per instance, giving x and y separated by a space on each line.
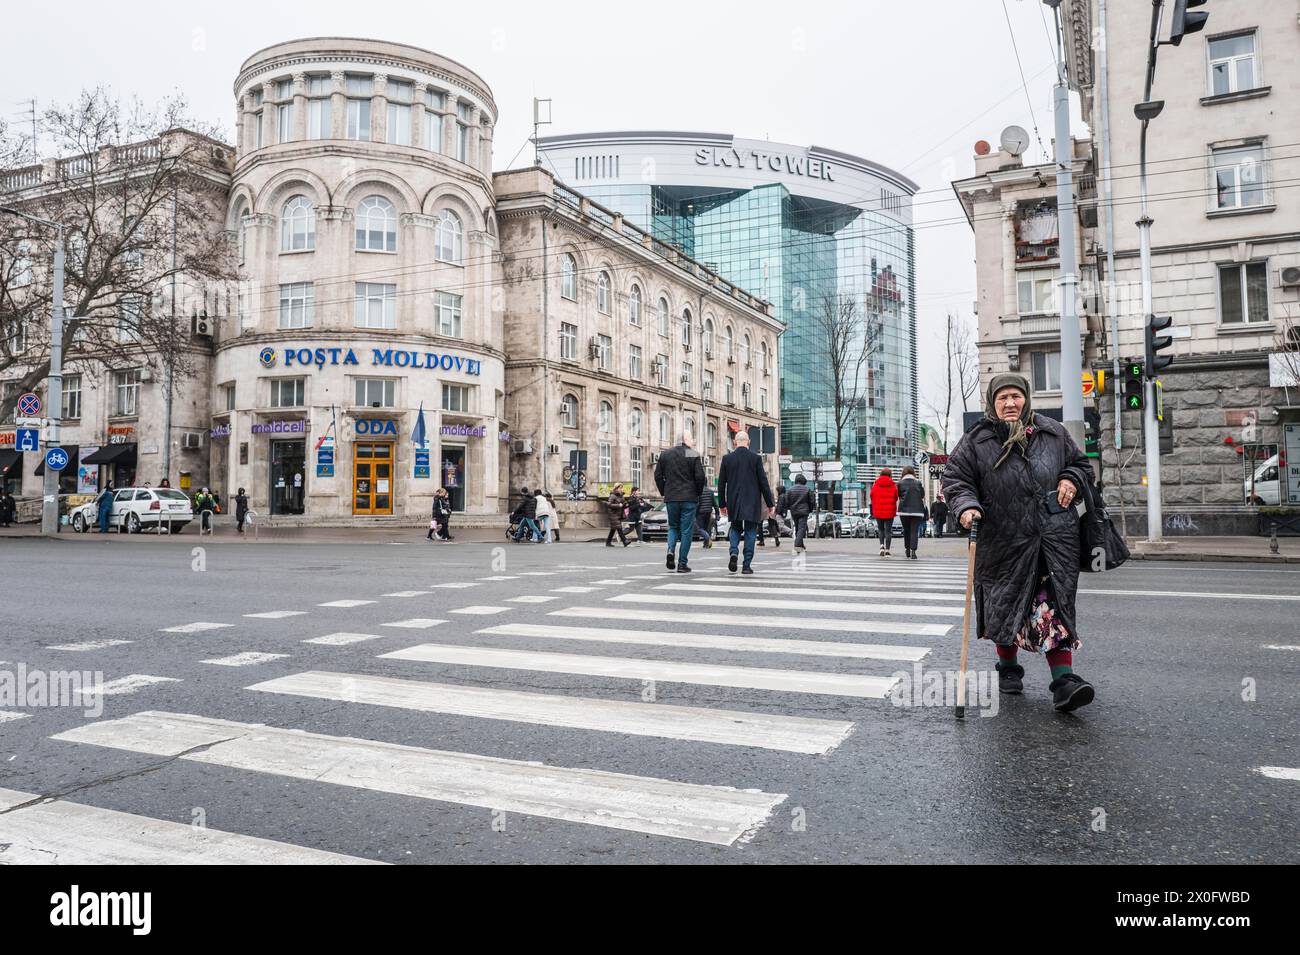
1164 767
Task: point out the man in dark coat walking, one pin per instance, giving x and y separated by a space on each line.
799 502
1018 473
743 487
939 515
706 515
679 476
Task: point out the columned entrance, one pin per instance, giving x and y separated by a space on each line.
372 478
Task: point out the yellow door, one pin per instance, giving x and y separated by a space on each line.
372 479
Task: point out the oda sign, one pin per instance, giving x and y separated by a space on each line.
376 426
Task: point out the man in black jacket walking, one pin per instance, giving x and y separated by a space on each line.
743 486
798 501
679 476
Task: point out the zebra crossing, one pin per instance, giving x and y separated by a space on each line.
620 619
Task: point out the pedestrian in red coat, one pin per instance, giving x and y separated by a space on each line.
884 505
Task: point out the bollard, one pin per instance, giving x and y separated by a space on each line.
1272 541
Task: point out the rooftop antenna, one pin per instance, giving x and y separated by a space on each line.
541 117
30 113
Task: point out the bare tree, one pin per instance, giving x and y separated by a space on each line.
851 339
141 194
1286 345
961 374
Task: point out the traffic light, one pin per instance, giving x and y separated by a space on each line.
1133 385
1184 21
1156 343
1092 432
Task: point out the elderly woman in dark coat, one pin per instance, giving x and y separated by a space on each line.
614 509
1018 474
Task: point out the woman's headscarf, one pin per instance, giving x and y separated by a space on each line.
1013 433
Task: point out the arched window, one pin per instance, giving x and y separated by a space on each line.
729 342
376 225
708 336
665 428
663 317
568 277
605 422
712 433
763 355
448 238
602 293
569 411
745 358
690 425
297 225
634 305
686 328
634 424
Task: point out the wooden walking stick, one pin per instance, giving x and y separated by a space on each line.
965 620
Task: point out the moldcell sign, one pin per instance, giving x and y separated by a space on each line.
775 162
379 358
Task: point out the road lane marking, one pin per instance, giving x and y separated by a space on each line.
276 614
8 716
712 641
719 815
481 610
1185 593
198 627
750 678
792 734
574 590
342 639
72 834
828 606
346 603
659 615
457 585
1275 646
415 623
124 686
89 645
246 659
1280 772
409 593
531 599
809 591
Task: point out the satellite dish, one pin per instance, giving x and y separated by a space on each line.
1015 140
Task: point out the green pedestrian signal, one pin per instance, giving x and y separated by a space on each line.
1133 386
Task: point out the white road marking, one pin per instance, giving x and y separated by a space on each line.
785 623
1279 772
531 599
69 833
482 611
790 734
615 580
198 627
499 578
1184 593
126 685
711 641
8 716
415 623
89 645
346 603
755 678
754 603
574 590
409 593
457 585
276 614
714 814
246 659
342 639
809 591
1275 646
537 573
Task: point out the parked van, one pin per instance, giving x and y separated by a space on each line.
1264 487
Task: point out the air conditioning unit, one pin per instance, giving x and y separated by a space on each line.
749 363
686 379
686 346
146 374
767 372
593 349
552 449
522 446
191 440
708 353
654 457
201 326
220 154
1291 276
731 359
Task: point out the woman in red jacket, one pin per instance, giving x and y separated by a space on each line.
884 505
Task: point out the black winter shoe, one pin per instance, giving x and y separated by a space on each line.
747 570
1070 692
683 569
1010 677
672 561
731 563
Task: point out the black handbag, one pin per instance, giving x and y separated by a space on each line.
1101 546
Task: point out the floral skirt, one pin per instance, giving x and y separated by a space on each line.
1042 629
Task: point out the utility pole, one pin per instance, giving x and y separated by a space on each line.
1071 347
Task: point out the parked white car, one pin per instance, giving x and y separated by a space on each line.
135 508
1264 487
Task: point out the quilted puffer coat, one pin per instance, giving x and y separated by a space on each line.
1017 529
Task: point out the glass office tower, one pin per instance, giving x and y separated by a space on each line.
818 233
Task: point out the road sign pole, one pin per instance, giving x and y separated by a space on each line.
54 391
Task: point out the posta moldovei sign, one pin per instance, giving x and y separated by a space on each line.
292 357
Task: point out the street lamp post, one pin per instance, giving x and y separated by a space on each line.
54 379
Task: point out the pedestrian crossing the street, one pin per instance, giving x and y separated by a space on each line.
757 652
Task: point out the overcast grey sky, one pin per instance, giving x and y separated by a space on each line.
911 85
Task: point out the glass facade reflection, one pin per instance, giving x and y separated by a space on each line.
810 252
